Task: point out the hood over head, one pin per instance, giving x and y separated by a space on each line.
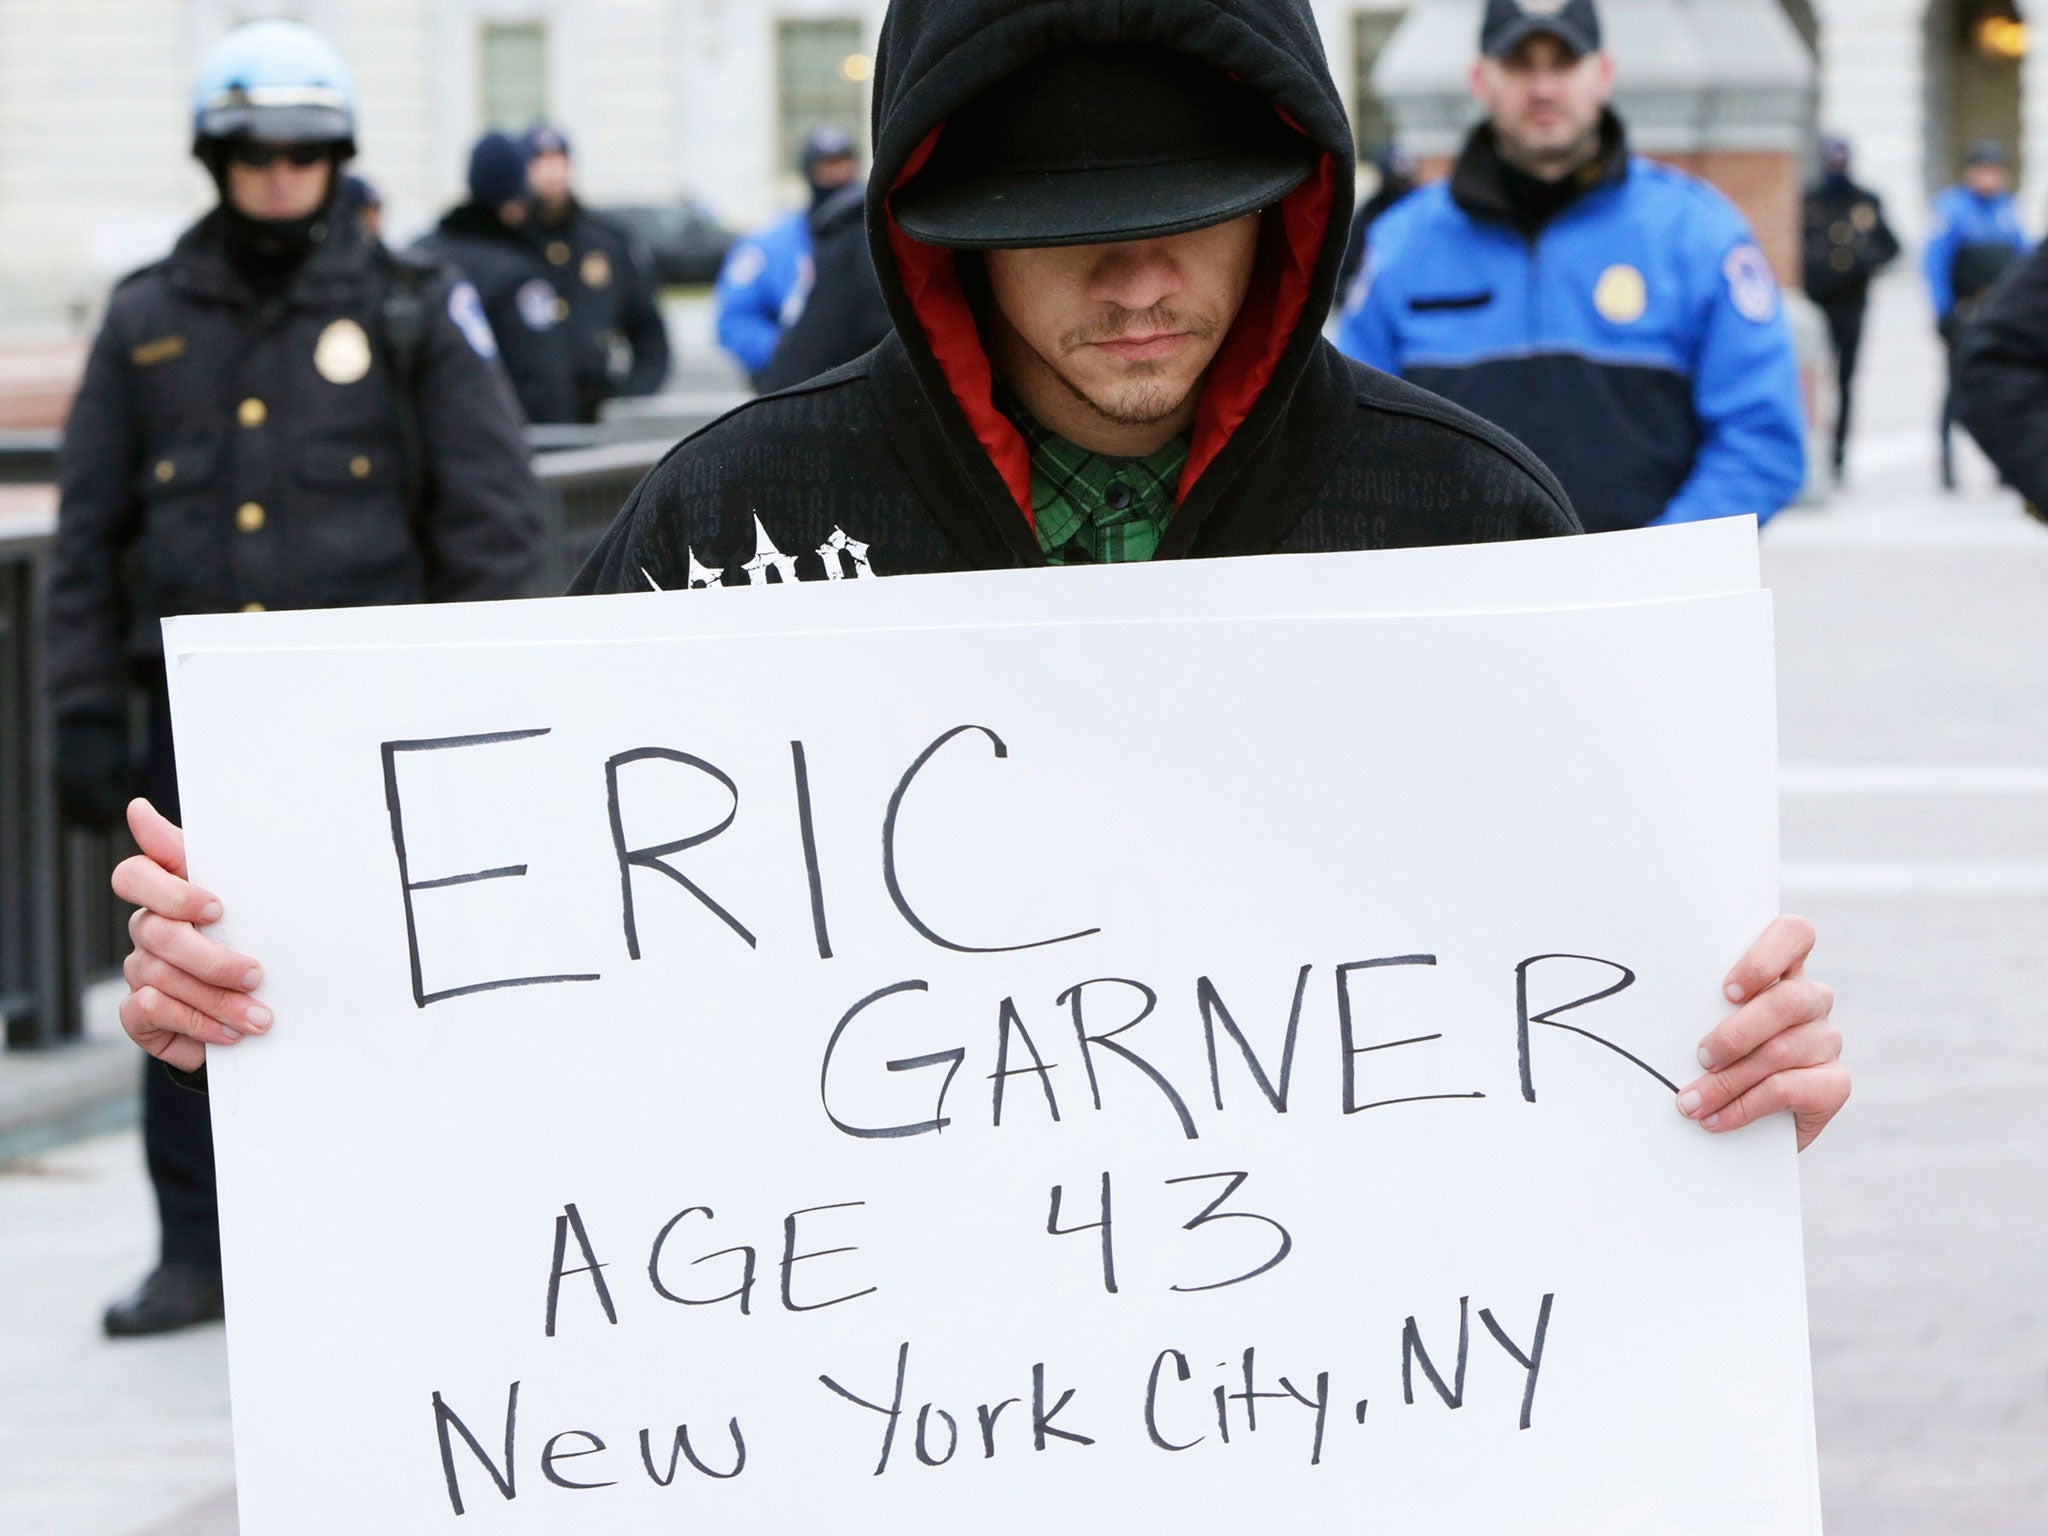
937 56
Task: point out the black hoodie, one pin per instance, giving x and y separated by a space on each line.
900 463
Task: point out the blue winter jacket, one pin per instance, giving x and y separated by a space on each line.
1636 341
1970 232
762 289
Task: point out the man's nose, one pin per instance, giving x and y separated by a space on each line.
1137 276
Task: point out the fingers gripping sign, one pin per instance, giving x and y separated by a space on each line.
1780 1051
186 992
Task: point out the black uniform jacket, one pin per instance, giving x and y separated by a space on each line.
610 291
528 313
2002 377
846 315
250 452
901 463
1847 241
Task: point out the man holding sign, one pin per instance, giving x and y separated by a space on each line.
1106 244
735 1174
1108 237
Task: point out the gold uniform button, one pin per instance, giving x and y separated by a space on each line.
253 413
166 472
558 253
253 608
359 466
561 310
249 517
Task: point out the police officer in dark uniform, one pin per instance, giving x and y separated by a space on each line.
617 340
523 305
281 414
1398 176
845 314
1847 244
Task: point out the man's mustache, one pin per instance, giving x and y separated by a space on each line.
1157 321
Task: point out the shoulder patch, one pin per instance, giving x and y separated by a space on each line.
1752 285
466 309
747 264
537 304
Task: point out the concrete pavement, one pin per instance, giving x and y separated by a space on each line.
1914 659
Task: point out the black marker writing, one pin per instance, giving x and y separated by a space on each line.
656 856
889 875
1549 1017
408 886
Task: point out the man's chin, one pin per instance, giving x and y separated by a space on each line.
1139 402
1139 409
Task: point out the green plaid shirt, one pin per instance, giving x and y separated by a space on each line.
1095 510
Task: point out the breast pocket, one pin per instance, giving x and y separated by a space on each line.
349 468
354 539
184 469
183 543
1450 322
1451 303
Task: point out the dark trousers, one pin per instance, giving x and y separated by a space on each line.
1845 330
177 1129
1948 411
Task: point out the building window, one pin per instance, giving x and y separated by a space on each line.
1371 122
514 57
1975 50
821 77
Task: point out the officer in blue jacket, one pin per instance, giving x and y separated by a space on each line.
1613 313
767 277
1976 237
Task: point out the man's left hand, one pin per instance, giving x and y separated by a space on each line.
1781 1051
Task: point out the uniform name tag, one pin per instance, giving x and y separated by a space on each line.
162 350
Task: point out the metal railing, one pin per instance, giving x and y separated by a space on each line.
31 985
582 490
60 927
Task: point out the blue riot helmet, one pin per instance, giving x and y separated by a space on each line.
277 82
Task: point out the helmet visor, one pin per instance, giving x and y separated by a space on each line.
278 115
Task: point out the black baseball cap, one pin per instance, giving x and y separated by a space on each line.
1094 144
1575 23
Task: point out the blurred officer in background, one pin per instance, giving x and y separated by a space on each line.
618 344
1614 314
767 277
1398 177
485 240
1847 244
2001 379
1976 236
281 414
845 314
368 203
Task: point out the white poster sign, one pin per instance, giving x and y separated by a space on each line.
1095 1076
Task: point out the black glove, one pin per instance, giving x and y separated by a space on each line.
95 769
1948 325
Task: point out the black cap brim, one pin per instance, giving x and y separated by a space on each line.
1027 210
1540 26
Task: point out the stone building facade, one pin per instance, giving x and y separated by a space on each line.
703 97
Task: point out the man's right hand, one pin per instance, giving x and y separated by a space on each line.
185 992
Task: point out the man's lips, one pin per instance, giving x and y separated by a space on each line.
1145 349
